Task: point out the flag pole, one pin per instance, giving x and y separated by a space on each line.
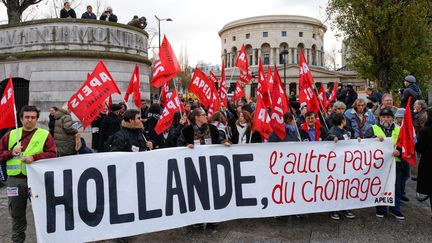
175 88
321 108
16 127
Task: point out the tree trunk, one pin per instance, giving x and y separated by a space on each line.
14 16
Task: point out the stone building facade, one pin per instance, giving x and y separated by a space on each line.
49 59
278 39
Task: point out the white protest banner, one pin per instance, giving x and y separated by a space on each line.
108 195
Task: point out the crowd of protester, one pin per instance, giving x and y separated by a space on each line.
118 128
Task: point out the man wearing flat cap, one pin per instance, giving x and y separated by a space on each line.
411 89
387 128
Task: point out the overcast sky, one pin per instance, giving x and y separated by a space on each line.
196 23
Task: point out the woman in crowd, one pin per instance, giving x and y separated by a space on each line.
243 133
219 120
64 132
200 132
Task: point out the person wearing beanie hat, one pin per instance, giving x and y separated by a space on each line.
109 125
411 89
400 113
387 128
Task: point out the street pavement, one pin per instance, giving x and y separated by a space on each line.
310 228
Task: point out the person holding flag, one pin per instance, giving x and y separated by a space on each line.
387 128
20 147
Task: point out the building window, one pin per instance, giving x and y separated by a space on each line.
313 36
266 59
248 36
265 34
300 34
224 41
283 33
234 38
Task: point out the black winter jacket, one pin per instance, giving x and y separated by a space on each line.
125 138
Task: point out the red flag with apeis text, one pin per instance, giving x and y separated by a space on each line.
261 119
7 106
238 92
215 104
306 91
279 108
406 137
202 87
223 90
164 93
166 66
173 105
134 87
90 98
322 97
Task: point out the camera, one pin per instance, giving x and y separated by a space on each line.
401 90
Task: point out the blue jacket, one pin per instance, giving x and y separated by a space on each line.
352 122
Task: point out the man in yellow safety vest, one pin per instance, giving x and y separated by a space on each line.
387 128
33 144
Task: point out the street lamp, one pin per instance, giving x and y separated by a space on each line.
159 20
284 53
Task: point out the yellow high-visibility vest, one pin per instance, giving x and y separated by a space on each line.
380 133
15 166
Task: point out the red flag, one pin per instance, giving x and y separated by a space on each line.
279 108
202 87
277 84
172 106
261 119
307 95
223 87
332 96
322 96
242 64
215 104
245 77
166 66
134 87
7 106
89 100
269 79
242 61
164 93
406 137
110 102
238 92
213 77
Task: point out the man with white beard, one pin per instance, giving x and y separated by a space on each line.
387 128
